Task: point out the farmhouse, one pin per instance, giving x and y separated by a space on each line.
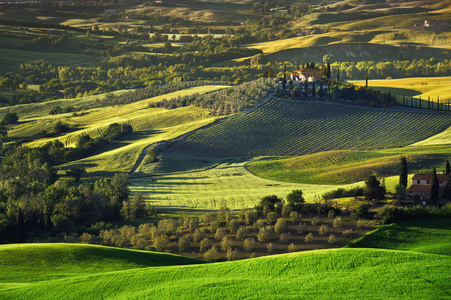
421 185
306 74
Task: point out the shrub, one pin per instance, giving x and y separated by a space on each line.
295 217
199 235
323 230
309 238
250 216
338 223
315 221
281 226
234 225
226 243
301 228
211 254
270 247
184 243
286 210
332 239
205 244
264 234
284 238
249 244
331 214
241 233
220 234
193 224
139 242
292 248
362 210
232 254
272 217
347 233
260 223
361 223
161 243
85 238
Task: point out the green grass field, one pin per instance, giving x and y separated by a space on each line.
201 183
341 274
426 236
305 127
342 167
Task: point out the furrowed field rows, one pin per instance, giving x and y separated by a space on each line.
288 127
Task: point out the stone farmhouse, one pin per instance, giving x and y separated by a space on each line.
308 74
421 186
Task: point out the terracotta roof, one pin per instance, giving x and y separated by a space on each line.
305 70
419 189
429 176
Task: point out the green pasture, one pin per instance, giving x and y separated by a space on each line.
342 167
341 274
283 127
426 236
201 183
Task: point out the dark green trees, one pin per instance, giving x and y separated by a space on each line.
373 189
295 199
447 168
403 172
434 186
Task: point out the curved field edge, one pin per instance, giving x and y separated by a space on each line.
292 127
25 263
348 166
203 183
343 274
427 236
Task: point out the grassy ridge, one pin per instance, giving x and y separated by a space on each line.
427 236
345 273
303 127
25 263
341 167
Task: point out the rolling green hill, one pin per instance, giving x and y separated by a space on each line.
426 236
341 274
293 127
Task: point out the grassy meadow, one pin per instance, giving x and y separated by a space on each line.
201 183
344 273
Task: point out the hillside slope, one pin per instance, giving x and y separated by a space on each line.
341 274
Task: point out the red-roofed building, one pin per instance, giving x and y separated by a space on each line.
421 185
306 74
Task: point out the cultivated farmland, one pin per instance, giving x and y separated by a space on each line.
293 127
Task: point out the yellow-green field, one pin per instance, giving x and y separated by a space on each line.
424 87
190 182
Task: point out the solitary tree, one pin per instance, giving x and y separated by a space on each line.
403 172
76 172
373 189
434 186
295 200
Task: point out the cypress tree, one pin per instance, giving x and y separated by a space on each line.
338 75
434 186
448 169
313 89
328 71
403 172
366 80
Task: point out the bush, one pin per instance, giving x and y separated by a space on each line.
249 244
361 223
184 243
211 254
205 244
270 248
86 238
301 228
338 223
332 239
161 243
241 233
295 217
292 248
226 243
250 216
347 233
264 234
315 221
234 225
220 234
272 217
286 210
362 210
323 230
309 238
232 254
260 223
198 235
281 226
284 238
